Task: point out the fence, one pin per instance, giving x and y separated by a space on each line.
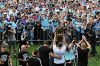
37 35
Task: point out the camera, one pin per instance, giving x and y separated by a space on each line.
8 27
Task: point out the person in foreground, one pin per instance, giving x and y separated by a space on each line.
5 58
23 56
83 50
34 60
59 48
45 52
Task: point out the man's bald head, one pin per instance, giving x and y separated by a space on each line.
23 48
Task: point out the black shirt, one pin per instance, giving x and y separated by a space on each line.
34 61
4 56
23 55
44 53
83 55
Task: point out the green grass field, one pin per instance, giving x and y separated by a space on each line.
93 61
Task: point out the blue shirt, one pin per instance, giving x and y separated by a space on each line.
45 23
12 24
1 30
0 15
55 23
94 12
83 3
97 25
75 24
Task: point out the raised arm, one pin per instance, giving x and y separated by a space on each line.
71 44
64 40
78 45
88 44
54 40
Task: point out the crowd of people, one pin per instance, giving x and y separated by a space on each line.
64 22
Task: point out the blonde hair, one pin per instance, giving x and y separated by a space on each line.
85 44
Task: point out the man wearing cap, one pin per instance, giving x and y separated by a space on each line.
34 60
5 58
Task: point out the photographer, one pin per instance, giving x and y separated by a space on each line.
73 47
71 53
10 35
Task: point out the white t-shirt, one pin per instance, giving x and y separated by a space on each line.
59 52
37 8
11 12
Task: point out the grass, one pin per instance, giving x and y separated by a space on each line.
93 61
15 60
